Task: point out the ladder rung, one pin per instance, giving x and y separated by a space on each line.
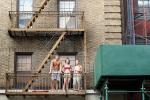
45 3
42 7
39 71
42 66
46 62
34 19
49 57
30 23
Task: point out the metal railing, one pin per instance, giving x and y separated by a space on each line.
48 19
16 82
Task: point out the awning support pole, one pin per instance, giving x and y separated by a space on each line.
106 90
143 91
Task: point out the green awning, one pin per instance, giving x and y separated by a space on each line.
121 60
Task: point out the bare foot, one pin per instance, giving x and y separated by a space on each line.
52 90
64 90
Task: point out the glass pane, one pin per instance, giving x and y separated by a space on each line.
72 6
21 2
67 22
62 22
19 59
61 5
71 22
67 6
26 5
19 69
22 23
21 8
28 68
144 3
19 65
29 59
24 58
24 63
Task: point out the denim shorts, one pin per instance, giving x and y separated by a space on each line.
55 75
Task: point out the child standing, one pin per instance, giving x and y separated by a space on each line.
77 77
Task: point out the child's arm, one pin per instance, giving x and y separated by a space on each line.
81 69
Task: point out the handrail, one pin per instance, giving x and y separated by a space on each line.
46 12
15 82
48 19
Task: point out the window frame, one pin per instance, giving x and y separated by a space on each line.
15 61
140 8
64 19
19 18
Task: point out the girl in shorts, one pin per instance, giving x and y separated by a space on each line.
67 74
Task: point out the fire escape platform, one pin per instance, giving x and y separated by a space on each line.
16 32
45 92
45 23
16 83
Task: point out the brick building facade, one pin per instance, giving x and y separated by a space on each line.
103 25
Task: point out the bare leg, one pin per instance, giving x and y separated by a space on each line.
64 85
78 85
74 83
56 87
57 83
52 85
67 84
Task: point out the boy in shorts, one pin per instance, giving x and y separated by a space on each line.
55 70
77 77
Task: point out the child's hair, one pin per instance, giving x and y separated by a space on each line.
68 60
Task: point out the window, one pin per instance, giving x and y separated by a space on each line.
142 41
66 7
72 59
23 62
144 5
25 5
